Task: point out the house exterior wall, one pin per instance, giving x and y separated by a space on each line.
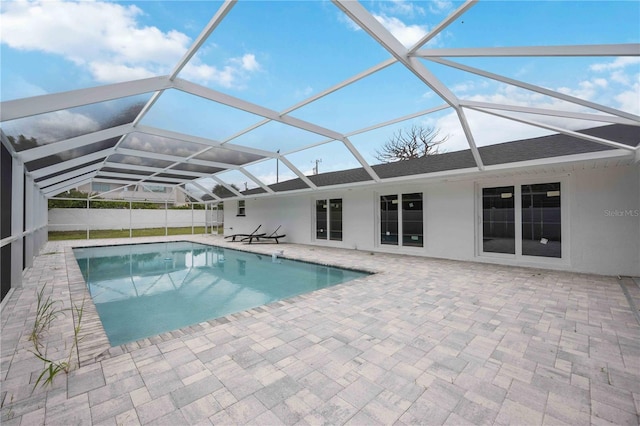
600 219
606 221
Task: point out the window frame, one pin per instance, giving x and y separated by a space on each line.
241 212
399 198
328 232
564 182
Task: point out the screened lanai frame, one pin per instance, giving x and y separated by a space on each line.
107 154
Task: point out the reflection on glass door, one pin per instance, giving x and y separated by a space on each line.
412 220
541 224
389 219
335 219
498 220
321 219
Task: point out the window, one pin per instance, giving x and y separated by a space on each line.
241 209
412 220
389 219
321 219
335 217
100 187
154 188
329 219
498 220
409 218
533 210
541 220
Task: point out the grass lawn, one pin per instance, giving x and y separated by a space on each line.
122 233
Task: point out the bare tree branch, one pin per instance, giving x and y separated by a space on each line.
415 142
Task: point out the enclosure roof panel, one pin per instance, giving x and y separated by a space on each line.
273 97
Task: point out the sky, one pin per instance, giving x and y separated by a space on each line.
278 53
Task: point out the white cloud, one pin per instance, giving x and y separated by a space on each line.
629 102
402 7
233 75
304 93
249 62
52 127
408 35
619 76
348 22
15 87
226 76
108 72
468 86
107 39
601 82
618 63
440 6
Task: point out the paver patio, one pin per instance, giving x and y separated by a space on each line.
422 341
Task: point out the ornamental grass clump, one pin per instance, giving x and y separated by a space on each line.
47 311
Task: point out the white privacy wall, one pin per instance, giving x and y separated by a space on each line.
600 241
79 219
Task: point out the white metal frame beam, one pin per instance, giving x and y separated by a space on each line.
377 31
188 193
442 25
297 171
73 143
412 59
256 180
17 221
78 161
65 176
68 184
550 112
223 98
171 158
537 89
202 37
206 191
155 170
142 179
631 49
130 182
558 129
227 186
27 107
100 194
209 143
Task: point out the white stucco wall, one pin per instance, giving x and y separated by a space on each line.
605 225
594 241
78 219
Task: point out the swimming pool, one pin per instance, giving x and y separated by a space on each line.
141 290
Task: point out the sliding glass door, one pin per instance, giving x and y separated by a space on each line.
389 219
541 220
498 220
523 220
329 219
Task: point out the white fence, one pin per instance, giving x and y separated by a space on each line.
95 219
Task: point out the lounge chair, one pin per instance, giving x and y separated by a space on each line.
273 236
243 237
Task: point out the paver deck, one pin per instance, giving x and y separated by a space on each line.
422 341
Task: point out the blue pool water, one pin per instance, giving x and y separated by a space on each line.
141 290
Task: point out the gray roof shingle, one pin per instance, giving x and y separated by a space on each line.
556 145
